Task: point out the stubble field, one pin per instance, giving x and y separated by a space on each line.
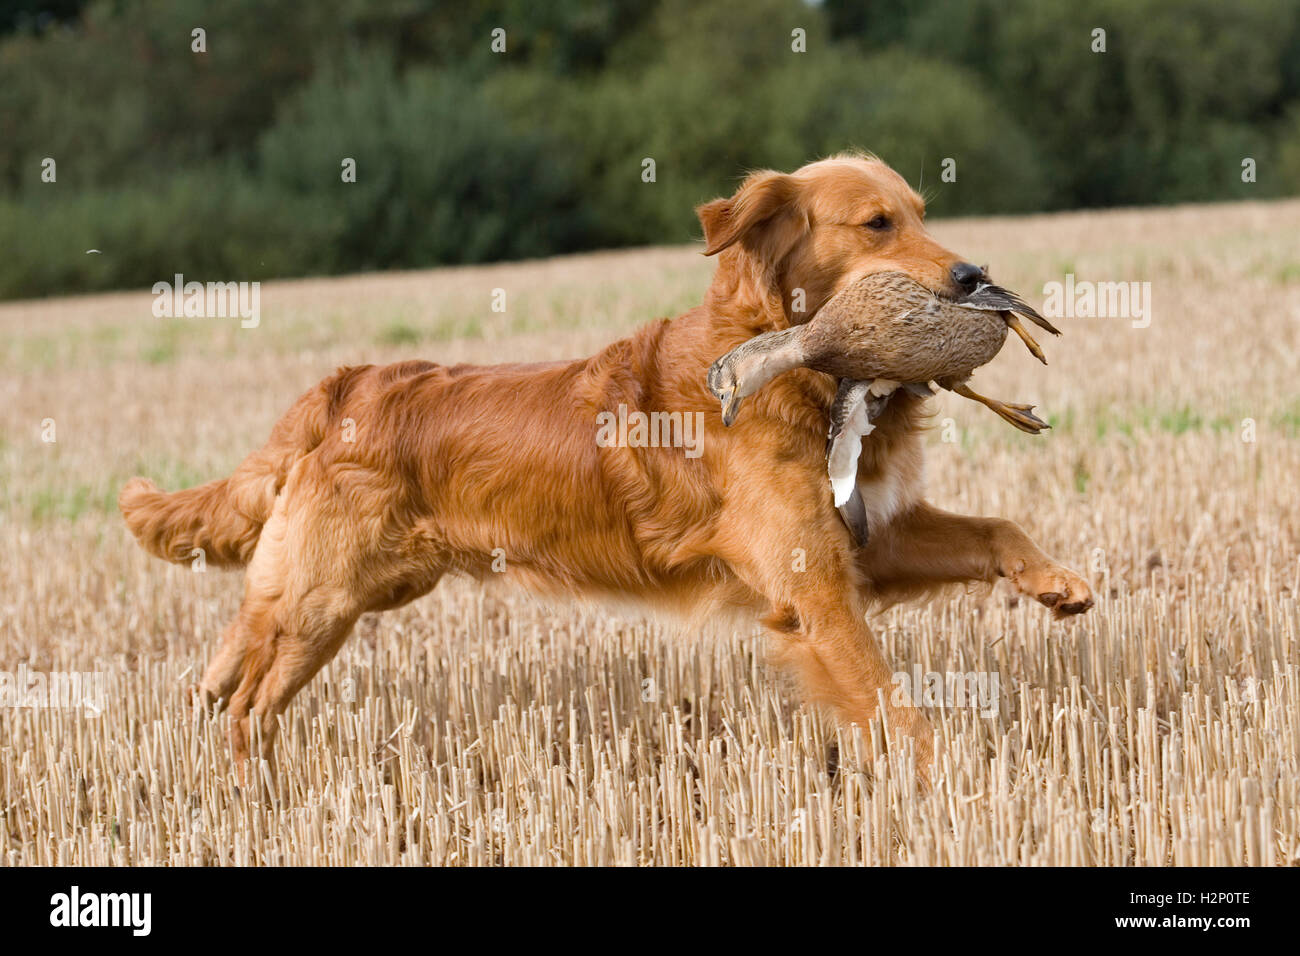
489 727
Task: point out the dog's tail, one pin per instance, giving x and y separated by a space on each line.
223 519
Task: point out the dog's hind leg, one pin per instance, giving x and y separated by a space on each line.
307 627
222 674
306 632
263 583
249 645
262 586
288 641
331 551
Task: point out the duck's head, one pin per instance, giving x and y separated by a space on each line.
724 386
751 365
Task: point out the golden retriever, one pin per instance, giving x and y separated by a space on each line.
380 480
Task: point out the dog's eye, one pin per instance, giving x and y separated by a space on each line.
877 223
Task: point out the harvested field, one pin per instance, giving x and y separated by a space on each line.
488 727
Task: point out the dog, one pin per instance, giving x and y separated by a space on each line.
380 480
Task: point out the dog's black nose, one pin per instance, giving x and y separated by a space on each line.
966 275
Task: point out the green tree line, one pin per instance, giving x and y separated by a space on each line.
221 155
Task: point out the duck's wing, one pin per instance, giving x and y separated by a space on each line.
994 298
849 423
854 514
852 412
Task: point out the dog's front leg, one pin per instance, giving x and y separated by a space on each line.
784 539
927 546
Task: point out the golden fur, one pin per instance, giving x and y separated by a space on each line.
447 464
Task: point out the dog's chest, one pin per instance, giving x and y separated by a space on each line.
892 486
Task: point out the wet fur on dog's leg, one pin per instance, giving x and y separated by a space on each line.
927 546
817 617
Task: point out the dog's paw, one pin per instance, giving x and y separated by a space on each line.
1055 587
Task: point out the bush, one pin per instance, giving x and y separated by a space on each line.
442 175
706 125
214 223
228 162
914 114
1288 158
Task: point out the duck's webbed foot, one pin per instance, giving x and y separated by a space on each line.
856 405
1022 416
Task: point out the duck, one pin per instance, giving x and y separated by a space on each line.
883 332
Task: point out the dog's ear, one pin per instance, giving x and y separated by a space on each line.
761 198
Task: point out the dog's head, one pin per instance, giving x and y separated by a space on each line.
805 235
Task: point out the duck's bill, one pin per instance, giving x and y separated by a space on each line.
730 406
724 391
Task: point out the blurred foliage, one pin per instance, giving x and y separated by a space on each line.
442 174
226 163
204 222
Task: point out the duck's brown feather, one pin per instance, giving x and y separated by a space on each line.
887 326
